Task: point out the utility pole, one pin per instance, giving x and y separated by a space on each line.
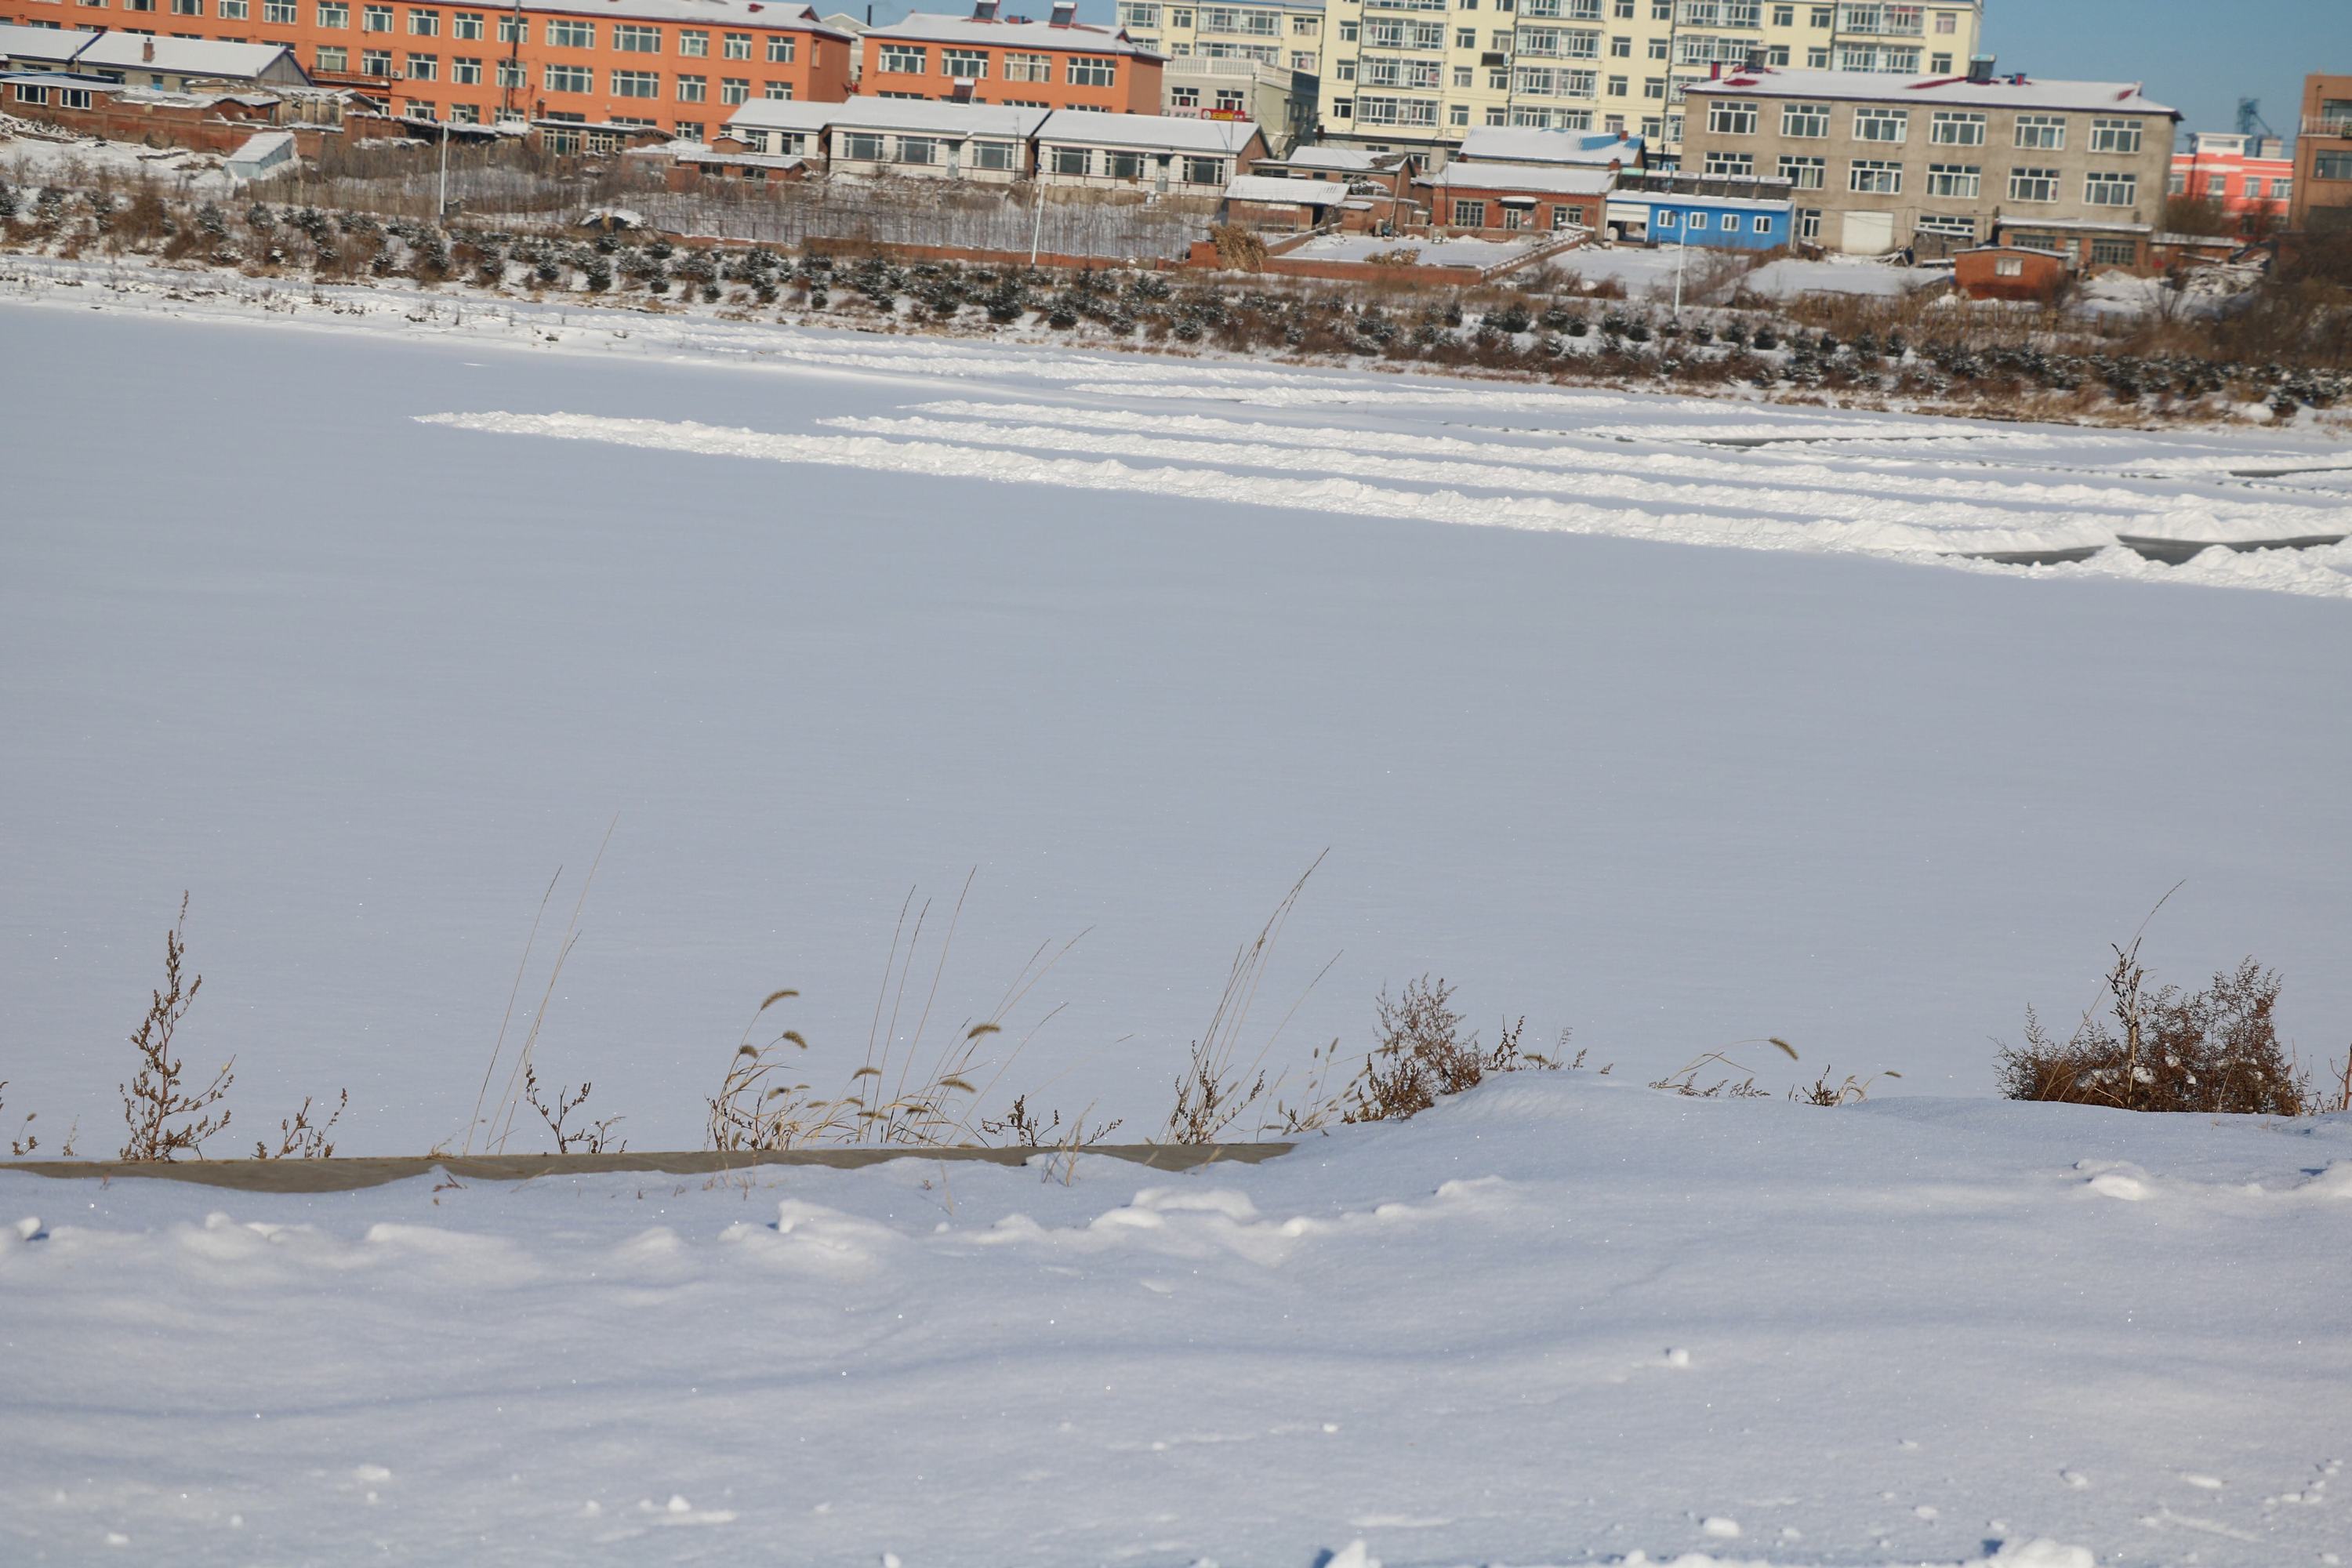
441 203
1682 253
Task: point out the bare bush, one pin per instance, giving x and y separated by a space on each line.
26 1141
164 1117
2214 1051
1422 1055
581 1138
300 1139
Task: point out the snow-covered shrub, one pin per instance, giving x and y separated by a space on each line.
2214 1051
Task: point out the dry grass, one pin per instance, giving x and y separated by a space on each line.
2215 1051
2336 1100
300 1139
1218 1087
910 1093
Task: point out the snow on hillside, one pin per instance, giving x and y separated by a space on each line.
358 615
1564 1319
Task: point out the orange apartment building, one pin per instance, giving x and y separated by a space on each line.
984 58
679 67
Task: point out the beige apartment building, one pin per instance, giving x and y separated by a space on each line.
1417 75
1288 33
1879 161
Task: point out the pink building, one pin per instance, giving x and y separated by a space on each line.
2251 177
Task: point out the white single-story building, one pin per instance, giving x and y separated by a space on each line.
1157 153
927 139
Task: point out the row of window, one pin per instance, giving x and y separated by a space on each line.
1215 19
2217 187
693 43
1946 128
1728 222
1469 214
914 59
1883 177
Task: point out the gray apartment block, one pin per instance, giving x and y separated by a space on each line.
1940 163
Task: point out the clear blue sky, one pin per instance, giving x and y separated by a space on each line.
2198 56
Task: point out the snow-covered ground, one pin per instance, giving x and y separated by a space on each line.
1563 1319
1460 251
1647 272
358 625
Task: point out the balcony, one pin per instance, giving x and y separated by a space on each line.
1882 21
2332 124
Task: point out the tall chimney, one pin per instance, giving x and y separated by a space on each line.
1981 69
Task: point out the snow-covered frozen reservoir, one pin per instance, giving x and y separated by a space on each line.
359 627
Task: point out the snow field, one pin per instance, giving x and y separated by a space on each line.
1563 1319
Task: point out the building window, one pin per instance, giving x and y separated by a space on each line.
234 10
562 35
1817 59
375 19
1073 161
964 65
1806 120
2033 184
2044 131
2115 136
2009 267
733 89
512 73
2114 253
776 91
424 24
1945 227
1732 165
514 30
1957 128
694 43
1892 126
1204 171
992 155
1808 223
1874 177
1665 219
693 89
1946 22
905 59
281 13
2102 189
1028 67
1759 225
465 71
918 150
331 59
1731 119
637 84
1457 114
424 68
1964 181
187 7
1784 15
1092 70
570 79
1804 173
631 39
860 147
423 111
375 62
465 25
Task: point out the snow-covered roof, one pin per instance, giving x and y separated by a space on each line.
1296 192
182 56
1152 132
20 43
784 114
2013 91
707 13
1515 145
1347 160
1464 175
1082 38
937 117
2072 225
1684 199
